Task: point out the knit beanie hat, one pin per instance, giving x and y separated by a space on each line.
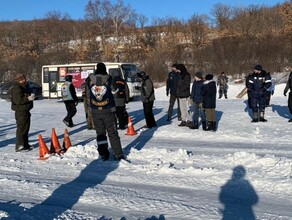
199 75
258 67
209 77
141 75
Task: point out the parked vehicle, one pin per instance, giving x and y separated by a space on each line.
32 86
53 77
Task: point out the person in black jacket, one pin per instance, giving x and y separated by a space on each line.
103 109
287 88
208 92
120 92
258 83
183 93
21 103
171 89
70 99
147 98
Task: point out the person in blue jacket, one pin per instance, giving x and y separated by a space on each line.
197 99
257 84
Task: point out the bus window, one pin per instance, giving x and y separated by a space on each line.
46 75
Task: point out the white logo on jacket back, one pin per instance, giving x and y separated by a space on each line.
98 91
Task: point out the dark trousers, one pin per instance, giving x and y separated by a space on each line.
221 92
148 113
71 111
258 103
106 123
122 116
172 100
23 125
290 102
268 98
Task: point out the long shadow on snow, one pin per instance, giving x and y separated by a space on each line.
68 194
144 136
238 196
5 128
282 111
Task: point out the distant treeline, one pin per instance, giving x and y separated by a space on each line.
233 40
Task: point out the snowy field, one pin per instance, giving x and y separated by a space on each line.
241 170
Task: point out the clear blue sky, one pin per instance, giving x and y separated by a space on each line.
181 9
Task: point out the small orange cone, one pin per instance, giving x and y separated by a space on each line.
66 141
131 130
55 145
43 149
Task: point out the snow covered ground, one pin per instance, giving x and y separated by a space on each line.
242 169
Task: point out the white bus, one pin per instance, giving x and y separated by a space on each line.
53 76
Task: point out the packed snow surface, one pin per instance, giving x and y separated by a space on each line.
243 170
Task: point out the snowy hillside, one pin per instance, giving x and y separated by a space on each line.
175 173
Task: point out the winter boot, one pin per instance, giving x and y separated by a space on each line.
190 124
104 153
193 125
204 125
214 126
183 123
209 126
262 117
255 117
196 125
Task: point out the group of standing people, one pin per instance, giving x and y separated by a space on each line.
202 97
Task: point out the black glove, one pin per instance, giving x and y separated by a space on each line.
285 93
167 93
76 103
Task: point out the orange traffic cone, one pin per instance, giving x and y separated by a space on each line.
66 141
55 145
131 130
43 149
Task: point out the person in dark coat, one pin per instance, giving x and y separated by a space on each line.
183 93
70 99
208 93
120 92
86 103
171 89
197 100
147 98
287 88
222 83
258 83
21 103
103 109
